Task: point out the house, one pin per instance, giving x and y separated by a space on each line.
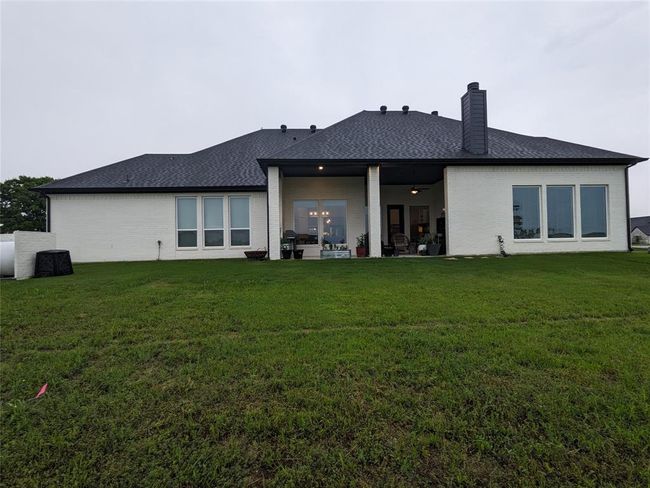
388 173
640 230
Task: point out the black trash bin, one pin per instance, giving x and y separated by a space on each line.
55 262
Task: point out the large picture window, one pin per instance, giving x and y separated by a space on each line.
213 221
305 221
559 206
186 228
593 210
240 231
526 213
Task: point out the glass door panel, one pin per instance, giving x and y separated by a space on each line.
420 224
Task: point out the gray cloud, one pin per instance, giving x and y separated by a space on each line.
87 84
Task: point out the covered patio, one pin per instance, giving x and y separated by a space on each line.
399 206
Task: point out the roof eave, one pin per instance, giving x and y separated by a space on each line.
176 189
632 160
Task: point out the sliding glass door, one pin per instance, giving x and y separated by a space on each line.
320 222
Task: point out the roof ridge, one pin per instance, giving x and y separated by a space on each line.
225 142
111 165
618 154
248 134
311 138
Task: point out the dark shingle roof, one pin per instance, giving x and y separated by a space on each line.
642 223
231 164
367 135
370 135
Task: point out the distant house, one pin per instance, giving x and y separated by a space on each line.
395 175
640 230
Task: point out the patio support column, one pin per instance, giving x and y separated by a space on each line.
374 212
274 196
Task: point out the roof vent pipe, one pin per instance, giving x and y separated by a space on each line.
283 128
312 128
383 109
435 112
405 109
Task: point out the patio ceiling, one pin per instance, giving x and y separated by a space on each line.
417 174
391 173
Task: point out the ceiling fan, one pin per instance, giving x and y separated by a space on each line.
414 190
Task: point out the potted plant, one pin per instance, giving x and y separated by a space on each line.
297 253
285 249
433 248
422 245
362 246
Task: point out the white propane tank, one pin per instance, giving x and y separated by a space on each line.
7 258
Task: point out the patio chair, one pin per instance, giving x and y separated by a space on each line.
401 242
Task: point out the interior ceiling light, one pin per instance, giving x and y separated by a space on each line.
321 167
416 189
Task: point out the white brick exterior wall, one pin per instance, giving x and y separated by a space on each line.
274 197
478 202
479 207
374 212
27 244
126 227
351 189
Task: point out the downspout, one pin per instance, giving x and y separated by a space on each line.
268 221
627 208
47 213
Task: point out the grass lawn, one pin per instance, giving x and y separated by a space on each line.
531 370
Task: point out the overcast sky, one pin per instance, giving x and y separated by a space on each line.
88 84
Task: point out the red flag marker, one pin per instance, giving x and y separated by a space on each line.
42 391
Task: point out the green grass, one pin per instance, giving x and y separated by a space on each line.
531 370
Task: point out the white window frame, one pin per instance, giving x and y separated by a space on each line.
231 228
198 222
607 225
223 220
542 223
575 209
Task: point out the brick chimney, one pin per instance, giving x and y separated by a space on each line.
474 116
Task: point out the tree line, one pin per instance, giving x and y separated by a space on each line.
22 208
